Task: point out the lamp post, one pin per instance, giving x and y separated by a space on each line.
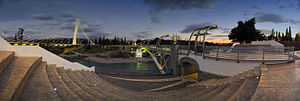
159 40
197 33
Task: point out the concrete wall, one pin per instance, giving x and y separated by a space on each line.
222 67
46 55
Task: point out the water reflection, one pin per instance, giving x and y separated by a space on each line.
139 68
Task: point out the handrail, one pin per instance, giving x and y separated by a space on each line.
245 53
240 53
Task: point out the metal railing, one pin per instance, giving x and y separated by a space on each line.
249 53
162 48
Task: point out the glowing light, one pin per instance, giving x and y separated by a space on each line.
16 44
23 44
31 44
138 66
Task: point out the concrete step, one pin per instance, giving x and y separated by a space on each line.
168 86
14 77
62 90
250 73
74 87
228 91
210 94
196 95
38 86
244 75
246 91
171 95
110 91
95 86
257 72
5 58
86 88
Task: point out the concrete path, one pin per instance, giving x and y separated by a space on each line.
279 82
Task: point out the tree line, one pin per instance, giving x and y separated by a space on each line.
245 32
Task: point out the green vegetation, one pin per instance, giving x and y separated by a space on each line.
56 50
69 53
245 32
95 49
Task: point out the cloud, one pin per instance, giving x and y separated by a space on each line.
266 31
254 7
273 18
211 38
68 15
282 7
219 36
157 7
43 17
226 30
93 30
143 34
192 27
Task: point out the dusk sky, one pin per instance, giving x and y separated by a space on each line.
143 18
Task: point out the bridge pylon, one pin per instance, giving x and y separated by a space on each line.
75 32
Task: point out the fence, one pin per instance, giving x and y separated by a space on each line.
261 54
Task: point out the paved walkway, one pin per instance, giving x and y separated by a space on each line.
279 83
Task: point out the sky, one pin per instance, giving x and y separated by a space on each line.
142 19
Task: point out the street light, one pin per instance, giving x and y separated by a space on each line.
197 33
159 40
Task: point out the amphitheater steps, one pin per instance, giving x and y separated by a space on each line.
196 95
97 87
210 94
248 88
73 86
62 90
38 86
86 88
168 86
111 91
14 77
228 91
5 58
172 95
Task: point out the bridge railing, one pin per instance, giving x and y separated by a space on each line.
254 53
162 48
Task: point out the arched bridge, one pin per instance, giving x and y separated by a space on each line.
215 61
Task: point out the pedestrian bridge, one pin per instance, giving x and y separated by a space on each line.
219 61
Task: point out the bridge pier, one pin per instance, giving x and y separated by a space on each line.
174 60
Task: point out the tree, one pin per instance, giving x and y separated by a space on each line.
272 35
100 41
290 34
286 35
297 37
245 32
281 37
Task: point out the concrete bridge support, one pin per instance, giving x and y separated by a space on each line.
174 60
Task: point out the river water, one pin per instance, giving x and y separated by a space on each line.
139 68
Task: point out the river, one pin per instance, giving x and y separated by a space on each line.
139 68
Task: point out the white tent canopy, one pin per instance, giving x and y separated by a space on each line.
269 42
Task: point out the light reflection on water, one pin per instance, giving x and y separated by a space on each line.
139 68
